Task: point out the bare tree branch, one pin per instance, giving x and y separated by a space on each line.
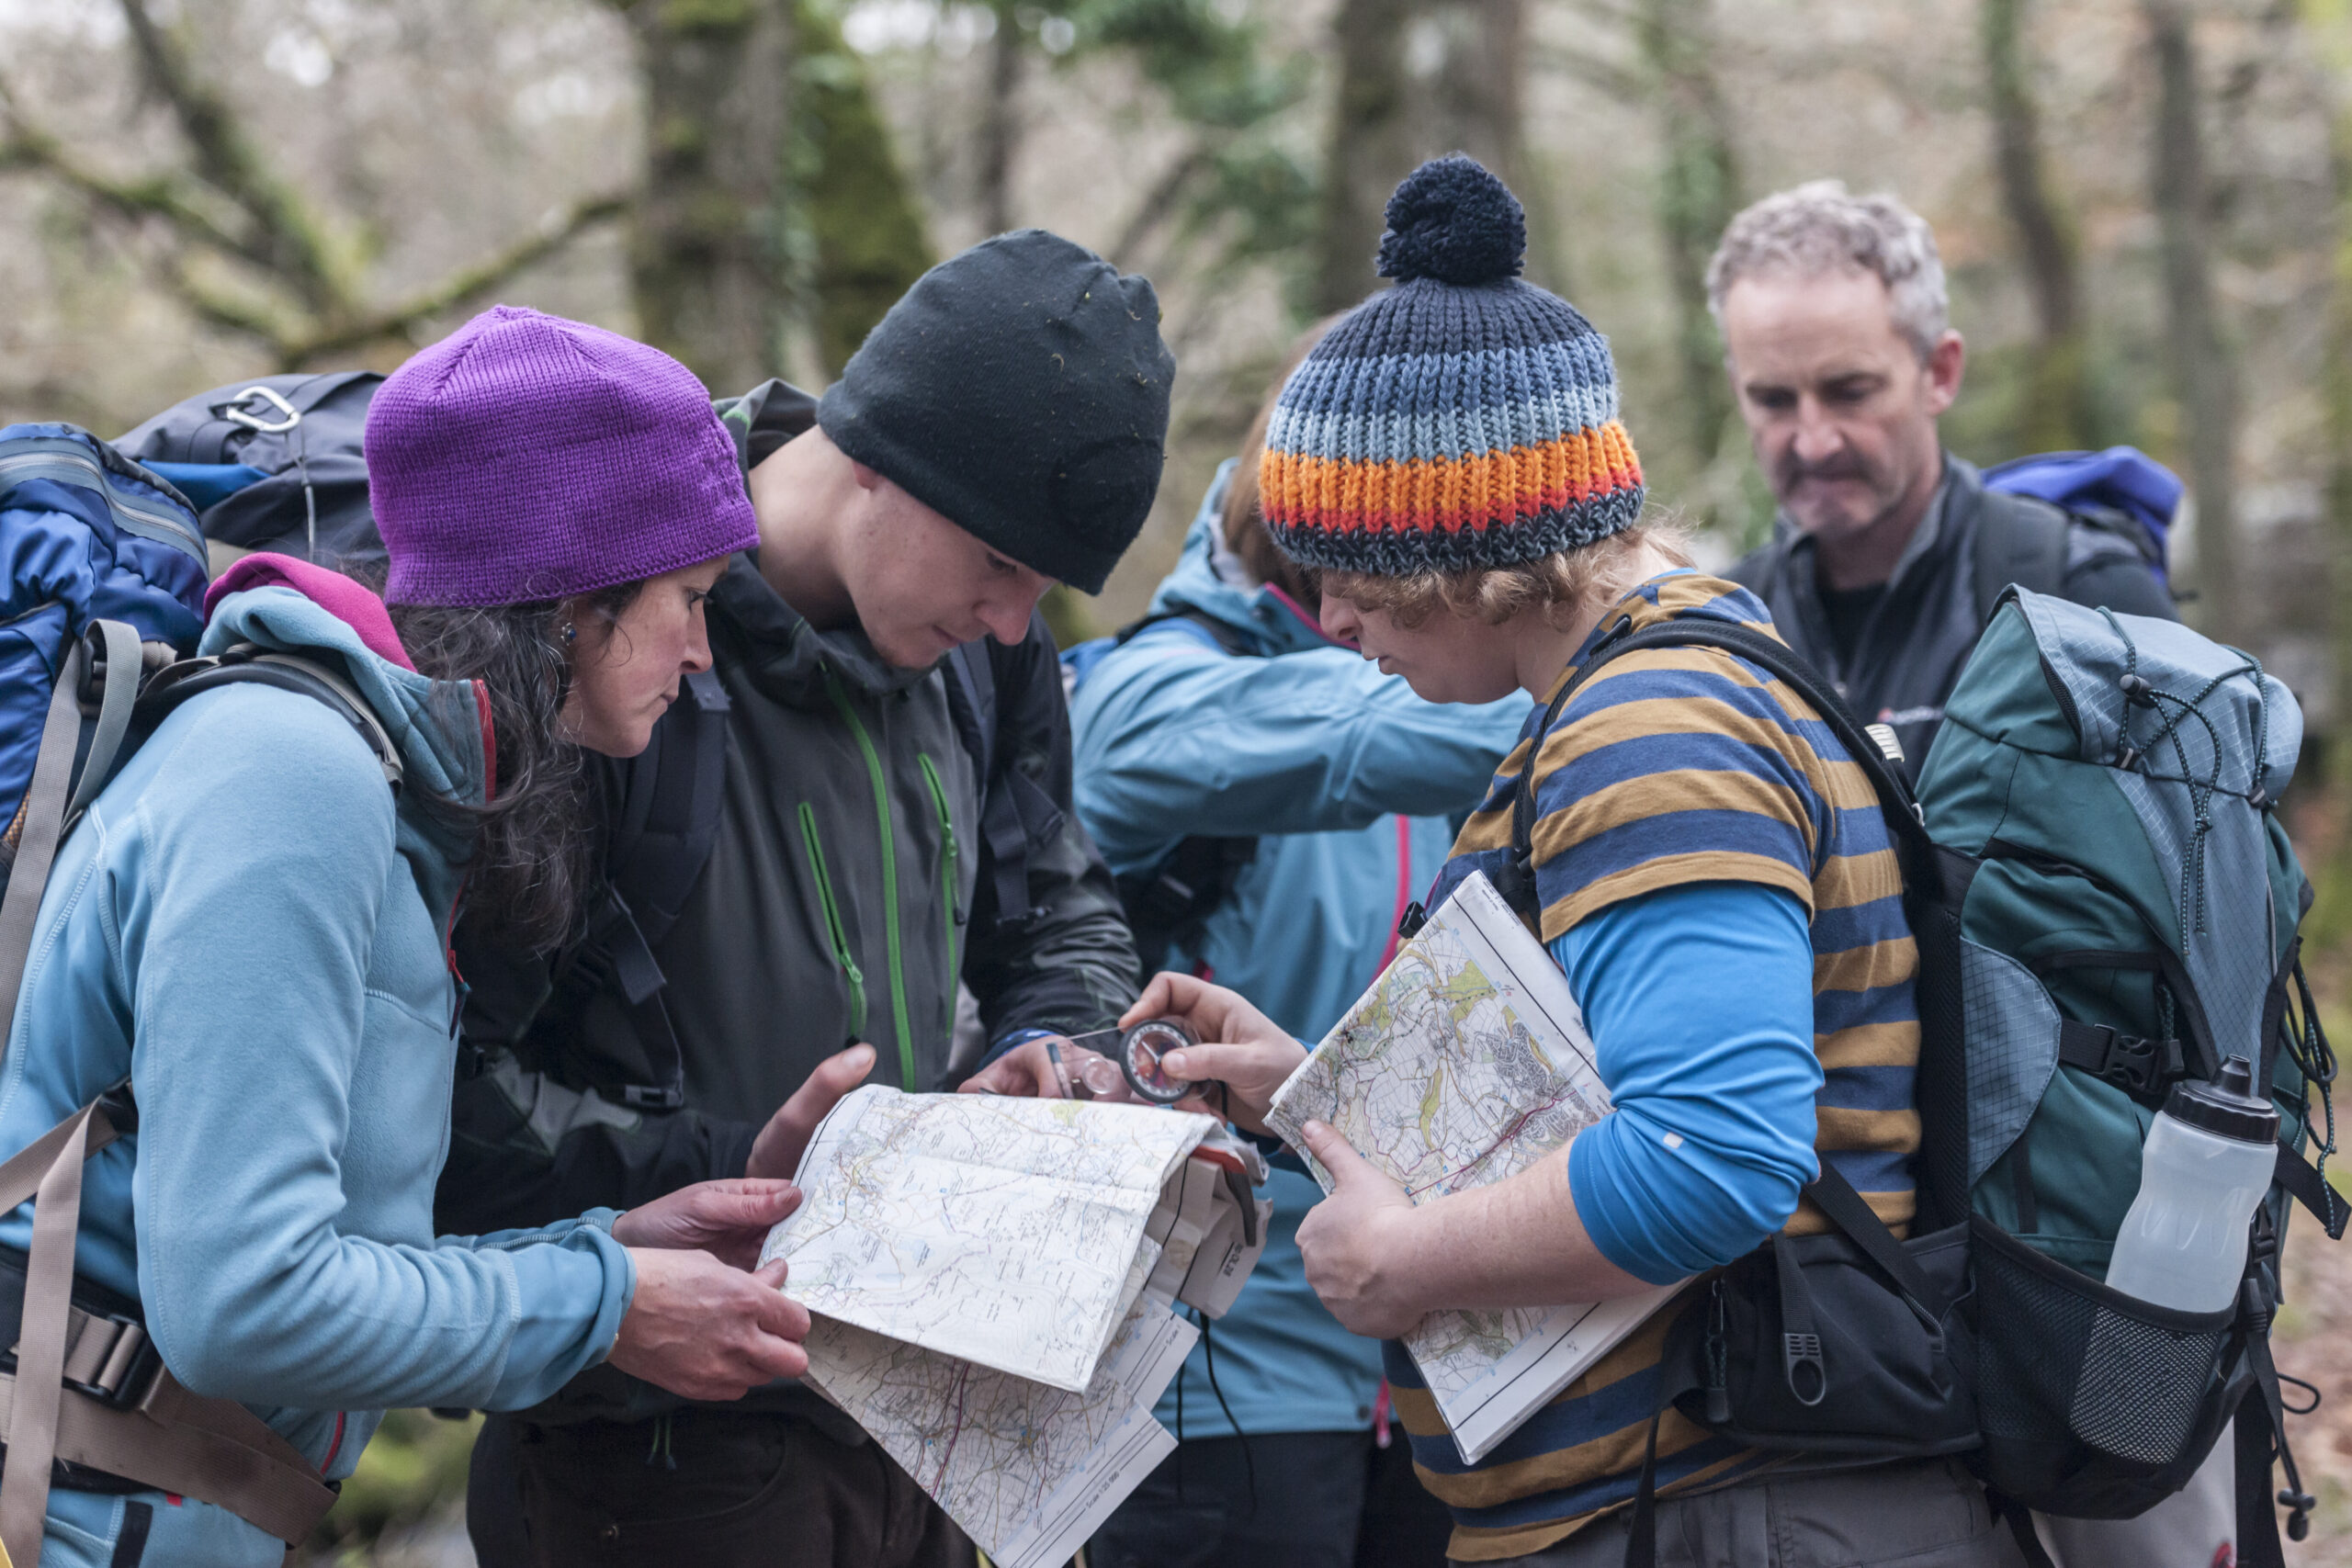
216 308
557 229
154 196
1158 205
288 240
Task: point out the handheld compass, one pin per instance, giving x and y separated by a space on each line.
1138 1052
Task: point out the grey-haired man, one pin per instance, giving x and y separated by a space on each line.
1838 341
1837 337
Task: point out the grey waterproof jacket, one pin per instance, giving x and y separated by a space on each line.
1912 646
849 889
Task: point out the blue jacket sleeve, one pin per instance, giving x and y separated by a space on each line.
1700 1002
1176 738
250 940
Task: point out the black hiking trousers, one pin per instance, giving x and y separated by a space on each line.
1291 1500
699 1489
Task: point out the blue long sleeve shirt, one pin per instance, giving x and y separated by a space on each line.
1700 1002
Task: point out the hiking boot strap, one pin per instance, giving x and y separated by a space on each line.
89 1389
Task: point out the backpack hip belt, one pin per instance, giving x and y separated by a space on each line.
89 1388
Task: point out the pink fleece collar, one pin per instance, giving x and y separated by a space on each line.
330 591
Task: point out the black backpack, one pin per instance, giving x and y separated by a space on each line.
272 464
1168 905
276 464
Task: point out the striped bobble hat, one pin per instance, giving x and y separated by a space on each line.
1463 419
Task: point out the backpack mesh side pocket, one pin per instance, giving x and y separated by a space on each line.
2093 1405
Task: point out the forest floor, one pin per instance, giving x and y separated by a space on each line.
2314 1341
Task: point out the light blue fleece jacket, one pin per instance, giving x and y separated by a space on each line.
248 927
1314 750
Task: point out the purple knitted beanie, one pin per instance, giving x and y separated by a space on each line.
527 458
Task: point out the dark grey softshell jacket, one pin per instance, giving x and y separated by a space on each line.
848 890
1914 643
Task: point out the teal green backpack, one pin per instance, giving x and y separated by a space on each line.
2106 905
2117 913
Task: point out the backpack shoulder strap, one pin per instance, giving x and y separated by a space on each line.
1776 659
1168 904
668 799
975 678
247 663
664 806
1205 627
2019 540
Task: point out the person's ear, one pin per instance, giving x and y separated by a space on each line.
1947 362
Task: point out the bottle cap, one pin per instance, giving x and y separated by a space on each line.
2227 1107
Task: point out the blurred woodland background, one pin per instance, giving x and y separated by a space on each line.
2145 206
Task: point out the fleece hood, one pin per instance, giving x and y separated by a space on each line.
1210 580
441 729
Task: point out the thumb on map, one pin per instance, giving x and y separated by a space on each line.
1337 1155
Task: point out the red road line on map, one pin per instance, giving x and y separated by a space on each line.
1501 1138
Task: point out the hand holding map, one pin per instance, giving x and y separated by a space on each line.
992 1281
1465 1063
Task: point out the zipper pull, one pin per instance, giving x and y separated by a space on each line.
1718 1371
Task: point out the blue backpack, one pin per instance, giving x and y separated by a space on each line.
2121 490
101 557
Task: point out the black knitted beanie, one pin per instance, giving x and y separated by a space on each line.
1020 390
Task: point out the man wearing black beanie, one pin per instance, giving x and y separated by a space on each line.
864 802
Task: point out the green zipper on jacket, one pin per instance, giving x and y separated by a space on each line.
947 875
889 880
833 927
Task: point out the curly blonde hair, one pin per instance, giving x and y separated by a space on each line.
1558 585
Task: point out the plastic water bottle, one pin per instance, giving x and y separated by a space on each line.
2208 1161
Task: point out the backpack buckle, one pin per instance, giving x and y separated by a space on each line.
2130 1062
652 1097
118 1367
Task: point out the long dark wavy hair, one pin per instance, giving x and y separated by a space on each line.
534 868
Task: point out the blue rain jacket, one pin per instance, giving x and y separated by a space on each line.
1315 752
249 927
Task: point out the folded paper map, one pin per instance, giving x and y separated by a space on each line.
993 1283
1465 1063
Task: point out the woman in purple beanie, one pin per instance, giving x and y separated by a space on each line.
251 928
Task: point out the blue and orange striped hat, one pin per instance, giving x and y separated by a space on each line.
1461 419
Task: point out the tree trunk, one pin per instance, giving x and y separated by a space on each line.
854 200
1481 85
1698 193
1369 147
706 256
1000 122
2056 414
2202 371
2329 25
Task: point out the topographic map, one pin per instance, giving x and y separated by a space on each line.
1006 1231
992 1285
1465 1063
1026 1470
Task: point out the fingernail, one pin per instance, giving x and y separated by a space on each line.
1313 1129
1175 1063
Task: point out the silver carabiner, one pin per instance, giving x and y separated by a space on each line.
229 411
